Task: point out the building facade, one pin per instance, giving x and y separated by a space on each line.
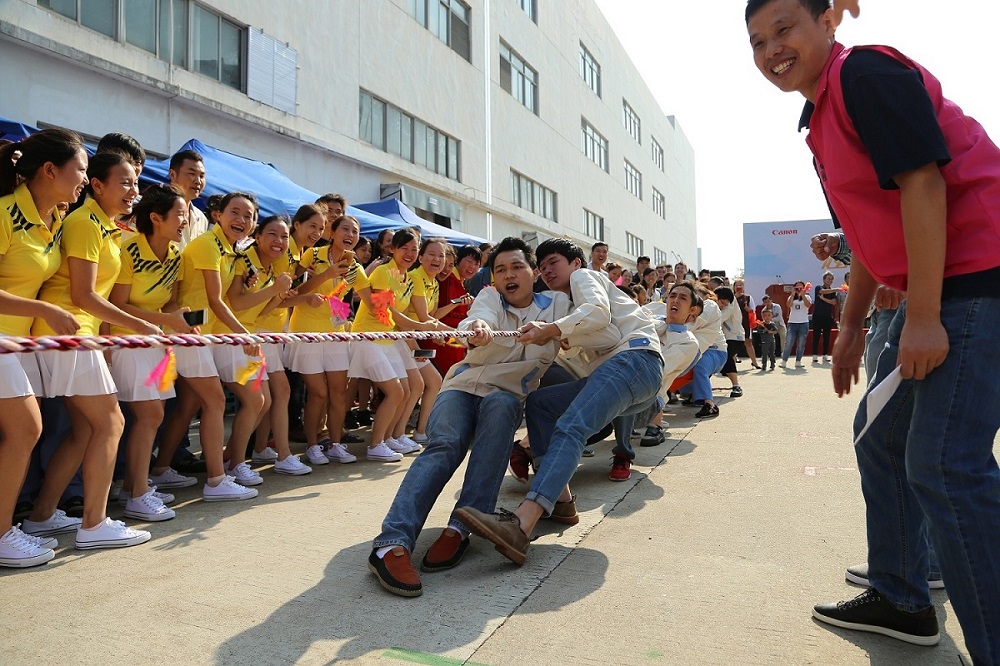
494 117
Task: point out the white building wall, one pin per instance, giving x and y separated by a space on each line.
68 75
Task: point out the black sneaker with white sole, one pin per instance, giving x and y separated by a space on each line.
872 612
653 436
858 574
736 392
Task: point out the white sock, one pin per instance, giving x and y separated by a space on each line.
380 553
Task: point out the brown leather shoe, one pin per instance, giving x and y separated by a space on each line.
395 572
565 512
446 552
502 528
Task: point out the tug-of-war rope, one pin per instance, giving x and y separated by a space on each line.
15 345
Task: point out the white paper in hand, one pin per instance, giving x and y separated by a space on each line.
878 397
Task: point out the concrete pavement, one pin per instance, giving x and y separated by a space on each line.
712 553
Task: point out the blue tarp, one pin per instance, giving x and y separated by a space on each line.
15 131
396 210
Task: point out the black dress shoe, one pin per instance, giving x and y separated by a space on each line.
707 411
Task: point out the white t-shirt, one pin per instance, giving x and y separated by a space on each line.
799 314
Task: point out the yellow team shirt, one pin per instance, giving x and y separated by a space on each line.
151 281
426 286
211 251
30 253
265 278
88 234
308 319
387 277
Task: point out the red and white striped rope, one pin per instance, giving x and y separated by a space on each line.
14 345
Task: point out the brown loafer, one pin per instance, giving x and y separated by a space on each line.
395 572
503 529
565 512
446 552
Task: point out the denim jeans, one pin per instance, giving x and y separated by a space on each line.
711 362
56 427
767 343
928 456
561 418
797 334
878 333
458 421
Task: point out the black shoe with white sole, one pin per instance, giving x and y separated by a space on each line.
858 574
872 612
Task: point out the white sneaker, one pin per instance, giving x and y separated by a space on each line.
414 446
815 359
826 359
315 455
227 491
19 550
382 453
57 523
268 455
110 534
42 542
292 466
148 507
172 479
420 438
165 498
784 364
244 475
800 364
402 444
340 453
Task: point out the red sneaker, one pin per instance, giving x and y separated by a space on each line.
621 468
520 462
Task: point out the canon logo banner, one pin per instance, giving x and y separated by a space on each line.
778 253
784 232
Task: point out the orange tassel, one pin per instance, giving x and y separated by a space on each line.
164 374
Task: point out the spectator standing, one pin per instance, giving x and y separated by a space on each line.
824 306
798 324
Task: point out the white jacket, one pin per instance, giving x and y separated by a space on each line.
708 327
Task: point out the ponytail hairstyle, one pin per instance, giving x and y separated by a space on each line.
158 199
99 168
54 145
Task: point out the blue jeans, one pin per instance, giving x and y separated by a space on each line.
878 333
711 362
562 417
797 334
458 420
928 456
56 427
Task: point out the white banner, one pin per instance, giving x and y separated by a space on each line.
778 253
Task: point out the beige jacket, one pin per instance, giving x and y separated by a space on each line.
604 321
505 364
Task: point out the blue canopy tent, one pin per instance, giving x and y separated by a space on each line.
275 192
15 131
397 211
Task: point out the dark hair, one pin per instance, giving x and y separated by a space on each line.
179 158
485 246
122 143
705 271
725 294
329 198
238 195
54 145
363 241
469 251
642 258
214 204
306 211
597 245
814 7
696 298
562 246
99 168
648 271
402 237
158 199
428 241
627 288
270 219
512 244
336 223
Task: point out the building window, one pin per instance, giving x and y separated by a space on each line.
660 257
659 204
518 78
633 180
392 130
529 195
448 20
590 70
595 146
530 7
632 123
181 32
657 153
633 245
593 225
